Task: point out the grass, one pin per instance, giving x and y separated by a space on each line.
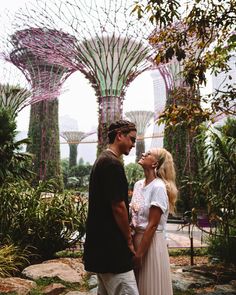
69 254
187 251
44 282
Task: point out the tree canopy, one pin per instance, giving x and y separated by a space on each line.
201 35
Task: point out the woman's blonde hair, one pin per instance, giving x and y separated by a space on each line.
166 171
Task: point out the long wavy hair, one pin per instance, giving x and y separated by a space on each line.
166 171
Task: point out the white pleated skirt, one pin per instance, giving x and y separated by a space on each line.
154 276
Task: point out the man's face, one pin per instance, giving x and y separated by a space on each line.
127 142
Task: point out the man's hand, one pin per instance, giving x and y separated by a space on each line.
131 247
137 261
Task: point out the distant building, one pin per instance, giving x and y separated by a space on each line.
160 95
221 81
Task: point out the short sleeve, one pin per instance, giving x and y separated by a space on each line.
159 198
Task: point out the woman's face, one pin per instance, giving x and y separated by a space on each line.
148 159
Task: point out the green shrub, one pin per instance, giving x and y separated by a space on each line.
13 163
46 222
12 259
219 183
134 172
223 248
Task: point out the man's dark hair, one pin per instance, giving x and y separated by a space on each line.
123 126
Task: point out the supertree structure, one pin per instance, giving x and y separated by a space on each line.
74 138
46 79
44 71
110 51
141 119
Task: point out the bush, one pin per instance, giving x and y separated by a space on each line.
47 222
219 183
13 162
134 172
12 259
223 248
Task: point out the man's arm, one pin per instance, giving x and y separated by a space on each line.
121 217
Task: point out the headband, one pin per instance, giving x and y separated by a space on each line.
128 127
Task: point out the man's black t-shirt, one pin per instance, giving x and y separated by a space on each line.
105 248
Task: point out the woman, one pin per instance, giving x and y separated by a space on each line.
153 198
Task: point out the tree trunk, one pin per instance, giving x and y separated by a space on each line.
45 146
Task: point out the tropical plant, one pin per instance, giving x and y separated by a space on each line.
73 182
76 177
65 170
12 259
13 97
222 247
134 172
81 172
13 162
41 219
219 183
198 36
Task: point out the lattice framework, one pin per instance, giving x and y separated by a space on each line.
110 51
141 119
45 73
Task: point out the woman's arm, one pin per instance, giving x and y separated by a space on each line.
153 221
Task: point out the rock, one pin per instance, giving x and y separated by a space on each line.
74 263
183 281
217 273
76 293
54 289
92 282
233 283
17 285
225 289
93 291
52 270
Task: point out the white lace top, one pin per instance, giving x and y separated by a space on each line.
153 194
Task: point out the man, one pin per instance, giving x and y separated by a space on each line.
108 248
